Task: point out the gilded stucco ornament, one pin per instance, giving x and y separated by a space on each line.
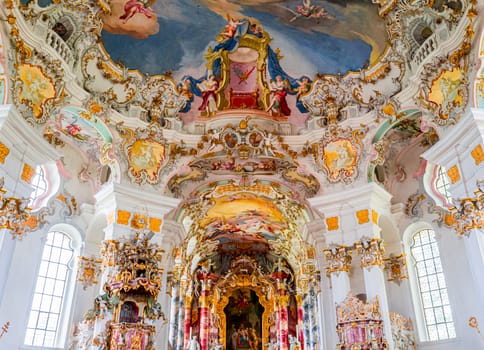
469 212
402 331
243 150
89 271
396 268
339 153
371 252
38 81
359 324
4 152
444 88
146 152
418 201
14 213
338 259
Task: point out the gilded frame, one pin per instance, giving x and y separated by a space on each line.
238 282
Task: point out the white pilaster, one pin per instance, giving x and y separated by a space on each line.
375 287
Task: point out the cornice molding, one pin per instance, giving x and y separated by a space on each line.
135 199
369 195
469 130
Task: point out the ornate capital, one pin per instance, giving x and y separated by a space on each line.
14 213
469 212
371 252
338 258
282 300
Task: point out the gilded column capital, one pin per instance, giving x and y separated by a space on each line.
188 299
371 252
469 212
282 300
338 258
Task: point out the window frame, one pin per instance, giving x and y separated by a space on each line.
66 312
416 294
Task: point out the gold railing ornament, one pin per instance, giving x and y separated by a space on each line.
371 252
14 213
89 270
396 268
469 212
338 259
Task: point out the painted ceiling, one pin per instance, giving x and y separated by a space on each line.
323 36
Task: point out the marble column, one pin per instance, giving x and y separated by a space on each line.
282 302
187 320
204 313
371 254
174 313
300 320
181 324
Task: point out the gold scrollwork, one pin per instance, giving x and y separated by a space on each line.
4 152
238 282
338 258
371 252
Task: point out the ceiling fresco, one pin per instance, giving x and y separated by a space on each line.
174 35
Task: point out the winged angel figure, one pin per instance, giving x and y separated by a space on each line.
309 10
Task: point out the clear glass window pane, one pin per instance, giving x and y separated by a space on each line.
49 292
432 286
29 336
39 338
33 320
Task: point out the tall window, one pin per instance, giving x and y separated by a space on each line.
432 288
47 305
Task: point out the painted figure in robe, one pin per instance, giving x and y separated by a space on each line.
278 101
209 98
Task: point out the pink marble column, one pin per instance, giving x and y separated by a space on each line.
300 321
204 315
282 301
188 320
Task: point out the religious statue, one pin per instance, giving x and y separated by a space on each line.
193 344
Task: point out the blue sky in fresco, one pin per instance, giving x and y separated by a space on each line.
187 29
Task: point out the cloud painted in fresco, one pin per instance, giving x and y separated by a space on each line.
187 28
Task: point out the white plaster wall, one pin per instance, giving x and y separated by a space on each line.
20 282
464 296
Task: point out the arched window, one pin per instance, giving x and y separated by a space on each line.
38 184
52 296
433 310
45 184
442 184
437 184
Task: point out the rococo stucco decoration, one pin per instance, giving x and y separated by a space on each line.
239 139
